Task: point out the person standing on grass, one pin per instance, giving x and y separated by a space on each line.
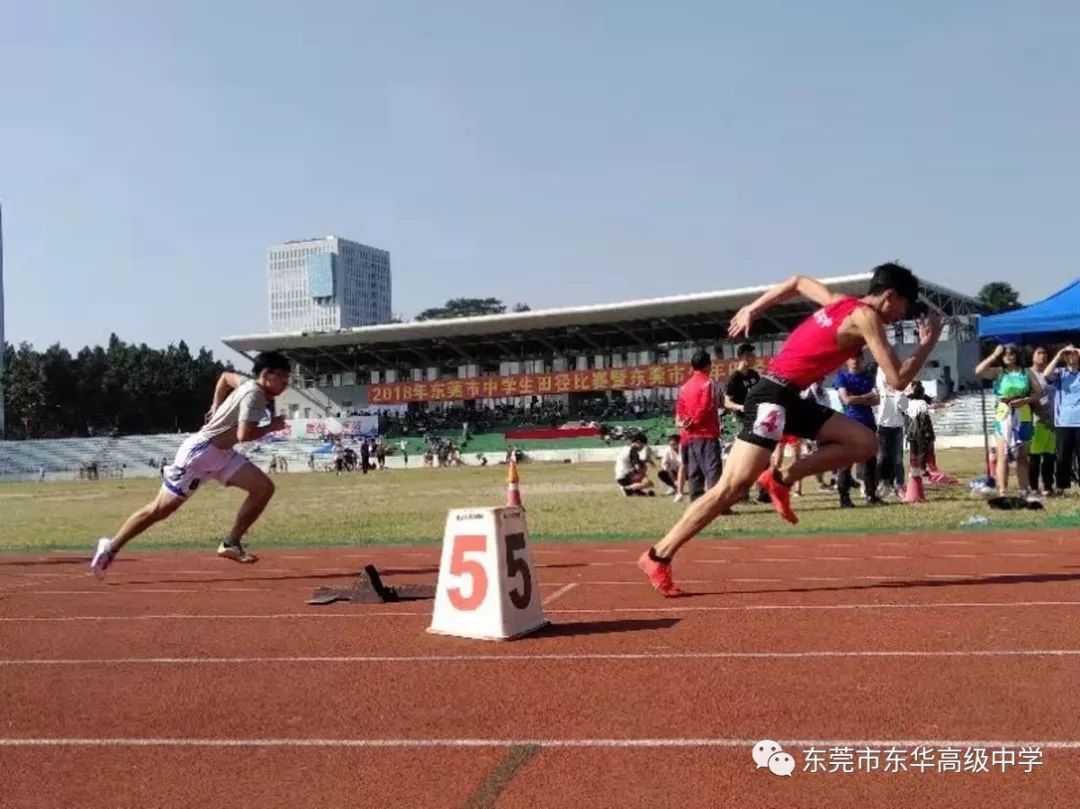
1016 388
239 405
680 477
840 329
818 394
890 427
1043 440
739 385
1066 384
856 388
697 408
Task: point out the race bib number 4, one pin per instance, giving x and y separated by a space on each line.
769 422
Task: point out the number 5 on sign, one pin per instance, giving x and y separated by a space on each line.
487 583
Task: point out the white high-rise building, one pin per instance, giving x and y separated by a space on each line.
327 284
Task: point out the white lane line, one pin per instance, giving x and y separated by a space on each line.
540 657
120 589
723 742
566 588
367 615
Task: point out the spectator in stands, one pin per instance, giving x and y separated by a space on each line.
238 406
1016 387
671 466
856 388
1043 439
698 410
1066 385
630 468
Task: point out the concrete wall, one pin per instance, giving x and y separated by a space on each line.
322 402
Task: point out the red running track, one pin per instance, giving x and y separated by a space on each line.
184 681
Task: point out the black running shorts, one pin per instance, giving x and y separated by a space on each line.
773 409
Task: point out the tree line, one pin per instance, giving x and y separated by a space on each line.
121 389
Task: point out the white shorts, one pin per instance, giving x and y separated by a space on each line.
198 460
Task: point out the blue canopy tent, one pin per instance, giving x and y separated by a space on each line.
1055 317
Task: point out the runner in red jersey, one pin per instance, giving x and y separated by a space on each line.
819 345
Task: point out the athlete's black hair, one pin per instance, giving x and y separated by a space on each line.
270 361
744 349
700 361
902 281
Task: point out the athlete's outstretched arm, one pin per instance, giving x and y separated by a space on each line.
898 374
796 285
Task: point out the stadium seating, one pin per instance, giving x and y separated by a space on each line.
130 455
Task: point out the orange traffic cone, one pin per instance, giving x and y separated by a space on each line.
513 494
914 493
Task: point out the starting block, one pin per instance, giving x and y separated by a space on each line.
487 588
370 589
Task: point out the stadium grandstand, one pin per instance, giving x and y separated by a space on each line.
547 375
555 384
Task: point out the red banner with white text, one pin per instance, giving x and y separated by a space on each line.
507 387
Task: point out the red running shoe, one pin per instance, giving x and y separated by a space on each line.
779 494
659 574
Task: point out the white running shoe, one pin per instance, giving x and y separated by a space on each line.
236 552
678 497
103 557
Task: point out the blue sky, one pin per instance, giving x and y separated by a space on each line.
555 153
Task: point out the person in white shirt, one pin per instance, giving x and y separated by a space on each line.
819 394
239 406
630 466
670 466
890 423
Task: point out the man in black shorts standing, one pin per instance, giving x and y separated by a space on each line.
742 379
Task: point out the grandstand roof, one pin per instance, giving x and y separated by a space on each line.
699 318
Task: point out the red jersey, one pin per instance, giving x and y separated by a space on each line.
698 402
810 352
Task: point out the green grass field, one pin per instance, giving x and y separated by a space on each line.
564 502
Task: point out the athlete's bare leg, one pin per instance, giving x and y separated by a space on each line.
841 443
259 490
743 466
152 513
